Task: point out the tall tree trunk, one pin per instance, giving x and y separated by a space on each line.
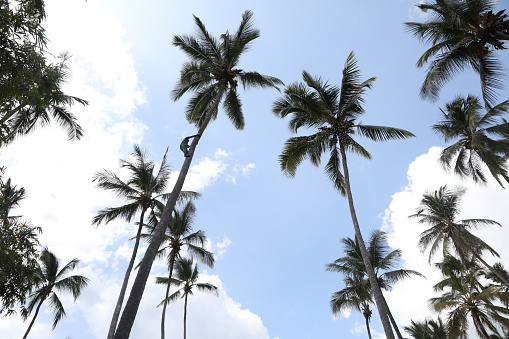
163 316
33 319
185 315
394 325
129 314
367 314
379 299
501 277
120 301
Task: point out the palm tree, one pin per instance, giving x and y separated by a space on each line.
51 279
354 296
333 112
143 190
212 73
352 266
439 209
462 33
41 102
463 120
466 296
187 277
428 329
179 235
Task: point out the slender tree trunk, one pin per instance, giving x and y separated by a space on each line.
33 319
391 318
120 301
367 327
185 315
172 261
501 277
129 314
380 303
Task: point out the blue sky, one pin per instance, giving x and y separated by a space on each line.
272 235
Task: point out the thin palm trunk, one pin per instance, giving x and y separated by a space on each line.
367 314
380 302
33 319
501 277
120 301
185 315
172 261
391 318
127 320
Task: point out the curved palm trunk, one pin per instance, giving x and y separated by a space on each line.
118 307
127 320
33 319
172 261
185 315
380 303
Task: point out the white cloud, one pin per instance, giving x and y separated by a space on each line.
409 299
222 246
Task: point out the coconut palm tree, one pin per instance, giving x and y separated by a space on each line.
179 236
440 209
464 295
52 279
382 259
42 102
187 277
354 296
144 190
462 34
428 329
333 112
213 74
477 144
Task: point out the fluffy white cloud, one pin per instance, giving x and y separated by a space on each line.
409 299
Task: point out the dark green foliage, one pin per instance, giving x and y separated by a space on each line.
333 112
213 62
428 329
18 250
52 279
30 85
483 139
440 209
462 34
464 296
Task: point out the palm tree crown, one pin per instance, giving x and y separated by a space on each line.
179 235
464 295
51 279
142 190
358 293
212 72
477 142
334 113
187 277
440 210
461 33
42 102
